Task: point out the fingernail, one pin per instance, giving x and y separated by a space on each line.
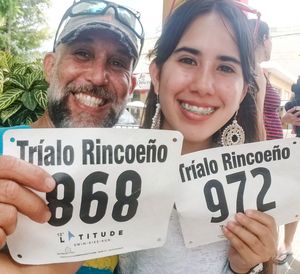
47 216
231 224
50 183
249 212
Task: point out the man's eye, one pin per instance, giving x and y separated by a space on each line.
226 69
188 61
82 54
119 63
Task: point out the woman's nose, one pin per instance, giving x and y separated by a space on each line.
203 81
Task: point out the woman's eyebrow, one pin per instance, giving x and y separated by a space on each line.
226 58
189 50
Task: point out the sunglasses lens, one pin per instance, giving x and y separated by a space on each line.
125 16
130 19
88 8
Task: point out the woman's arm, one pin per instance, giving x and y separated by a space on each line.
260 100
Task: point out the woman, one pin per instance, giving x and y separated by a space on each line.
268 98
203 81
268 103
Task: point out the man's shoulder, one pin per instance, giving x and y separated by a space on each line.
3 129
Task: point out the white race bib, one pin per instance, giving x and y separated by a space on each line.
114 186
217 183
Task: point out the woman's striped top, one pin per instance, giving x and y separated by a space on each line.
271 113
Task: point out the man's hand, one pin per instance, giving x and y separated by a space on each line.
17 177
253 240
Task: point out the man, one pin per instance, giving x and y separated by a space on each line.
90 76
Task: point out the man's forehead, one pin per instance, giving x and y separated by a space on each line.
92 36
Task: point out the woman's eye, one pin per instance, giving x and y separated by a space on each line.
226 69
188 61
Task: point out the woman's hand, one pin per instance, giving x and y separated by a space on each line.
253 240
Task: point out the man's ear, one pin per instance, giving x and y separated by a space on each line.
154 74
49 60
133 84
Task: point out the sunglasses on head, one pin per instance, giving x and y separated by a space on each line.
126 16
245 8
242 6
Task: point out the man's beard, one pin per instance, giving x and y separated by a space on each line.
61 115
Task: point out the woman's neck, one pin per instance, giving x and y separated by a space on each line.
260 55
189 147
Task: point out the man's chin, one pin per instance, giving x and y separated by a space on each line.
88 122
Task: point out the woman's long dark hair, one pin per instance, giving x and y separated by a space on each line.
263 30
174 29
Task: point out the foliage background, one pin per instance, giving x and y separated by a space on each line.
23 90
23 26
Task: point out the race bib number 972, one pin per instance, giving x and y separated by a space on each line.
218 183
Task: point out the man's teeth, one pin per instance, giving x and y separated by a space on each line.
198 110
88 100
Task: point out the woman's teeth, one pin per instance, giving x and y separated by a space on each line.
198 110
88 100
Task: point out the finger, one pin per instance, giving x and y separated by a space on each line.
8 218
297 123
260 238
291 110
260 233
25 201
243 240
26 174
2 238
240 247
263 218
297 113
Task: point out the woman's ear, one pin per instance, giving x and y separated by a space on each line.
244 93
49 60
154 74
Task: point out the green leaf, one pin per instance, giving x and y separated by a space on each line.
18 68
18 81
1 81
32 78
41 98
9 97
19 118
38 113
40 85
8 112
28 120
28 100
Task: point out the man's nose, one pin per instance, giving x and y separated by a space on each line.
98 74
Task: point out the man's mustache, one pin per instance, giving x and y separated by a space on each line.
97 91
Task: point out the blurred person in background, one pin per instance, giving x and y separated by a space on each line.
268 104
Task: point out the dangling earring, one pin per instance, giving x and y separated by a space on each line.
156 118
233 134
